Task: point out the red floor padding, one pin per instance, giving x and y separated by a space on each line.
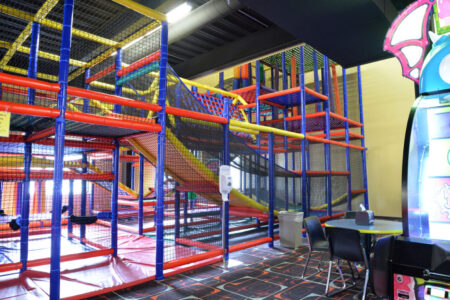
89 277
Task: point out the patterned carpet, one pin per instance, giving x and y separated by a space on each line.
256 273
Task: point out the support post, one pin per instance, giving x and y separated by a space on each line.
258 137
347 141
161 155
177 211
83 202
226 161
25 207
185 210
58 166
363 141
271 187
303 130
286 165
84 160
132 179
221 81
87 86
141 196
114 196
70 210
327 147
118 88
91 196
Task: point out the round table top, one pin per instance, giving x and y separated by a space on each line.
379 226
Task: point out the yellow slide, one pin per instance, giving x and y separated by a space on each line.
183 167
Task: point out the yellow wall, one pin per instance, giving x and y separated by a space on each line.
387 99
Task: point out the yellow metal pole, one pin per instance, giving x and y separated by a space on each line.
25 72
266 129
143 10
111 87
55 25
41 14
42 54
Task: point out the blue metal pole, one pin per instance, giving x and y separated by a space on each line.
91 196
161 155
83 200
363 141
118 88
347 141
114 196
226 161
141 196
258 122
327 132
283 70
70 209
185 210
84 160
58 166
221 81
286 165
132 174
25 207
293 179
303 130
177 211
87 86
271 187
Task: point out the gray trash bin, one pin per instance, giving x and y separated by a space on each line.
291 224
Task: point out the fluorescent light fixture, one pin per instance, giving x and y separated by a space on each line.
178 12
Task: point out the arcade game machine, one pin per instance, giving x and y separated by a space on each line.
418 262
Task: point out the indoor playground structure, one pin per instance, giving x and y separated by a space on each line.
109 165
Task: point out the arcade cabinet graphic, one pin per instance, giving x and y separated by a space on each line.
419 261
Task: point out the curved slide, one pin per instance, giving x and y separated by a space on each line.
179 158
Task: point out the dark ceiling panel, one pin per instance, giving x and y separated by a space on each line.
249 47
350 32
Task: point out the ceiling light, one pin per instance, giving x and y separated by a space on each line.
178 12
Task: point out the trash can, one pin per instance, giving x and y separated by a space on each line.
291 224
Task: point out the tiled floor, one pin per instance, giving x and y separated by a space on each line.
256 273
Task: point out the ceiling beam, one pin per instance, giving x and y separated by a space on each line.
247 48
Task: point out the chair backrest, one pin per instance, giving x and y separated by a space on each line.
350 215
314 231
346 244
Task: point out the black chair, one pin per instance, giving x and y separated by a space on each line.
346 244
316 239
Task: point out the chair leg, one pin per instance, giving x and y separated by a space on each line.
328 278
306 265
366 280
320 263
351 271
341 274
